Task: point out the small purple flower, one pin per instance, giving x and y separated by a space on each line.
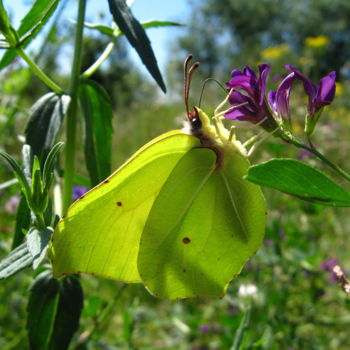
249 92
204 328
12 204
319 95
304 154
328 265
268 242
78 191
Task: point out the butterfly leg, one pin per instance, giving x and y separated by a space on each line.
256 140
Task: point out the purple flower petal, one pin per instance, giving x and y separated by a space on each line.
261 91
326 88
281 105
252 93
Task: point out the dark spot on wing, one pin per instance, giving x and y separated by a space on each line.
81 197
119 204
186 240
63 216
106 181
184 270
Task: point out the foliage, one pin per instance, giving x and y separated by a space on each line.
223 34
286 296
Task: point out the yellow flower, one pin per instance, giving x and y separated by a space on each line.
339 88
275 52
317 42
304 61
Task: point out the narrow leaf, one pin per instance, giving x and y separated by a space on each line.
53 312
301 180
98 116
137 37
155 24
30 26
45 121
50 164
18 173
38 242
111 32
4 20
22 222
17 260
103 29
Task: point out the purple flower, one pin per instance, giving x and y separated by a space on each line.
12 204
319 95
328 265
304 154
78 191
279 100
204 329
249 92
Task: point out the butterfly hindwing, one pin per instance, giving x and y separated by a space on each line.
199 232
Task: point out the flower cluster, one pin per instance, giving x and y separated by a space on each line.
250 102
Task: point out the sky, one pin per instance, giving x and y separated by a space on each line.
143 10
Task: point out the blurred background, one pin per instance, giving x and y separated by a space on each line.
294 298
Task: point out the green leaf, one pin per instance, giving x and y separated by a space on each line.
156 24
45 121
5 28
50 164
103 29
25 187
53 311
38 242
30 26
98 116
4 20
301 180
16 261
137 37
22 222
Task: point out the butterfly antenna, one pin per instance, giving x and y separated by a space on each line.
203 87
187 80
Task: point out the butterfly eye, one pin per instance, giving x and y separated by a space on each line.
196 124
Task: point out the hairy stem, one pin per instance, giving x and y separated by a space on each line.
73 109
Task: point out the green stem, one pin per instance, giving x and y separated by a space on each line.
319 155
73 109
93 68
101 319
241 329
41 221
52 85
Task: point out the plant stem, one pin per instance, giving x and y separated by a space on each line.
319 155
52 85
93 68
41 221
241 329
73 109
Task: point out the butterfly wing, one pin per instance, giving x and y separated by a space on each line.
100 233
202 228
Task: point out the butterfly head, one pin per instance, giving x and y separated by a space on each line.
198 124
